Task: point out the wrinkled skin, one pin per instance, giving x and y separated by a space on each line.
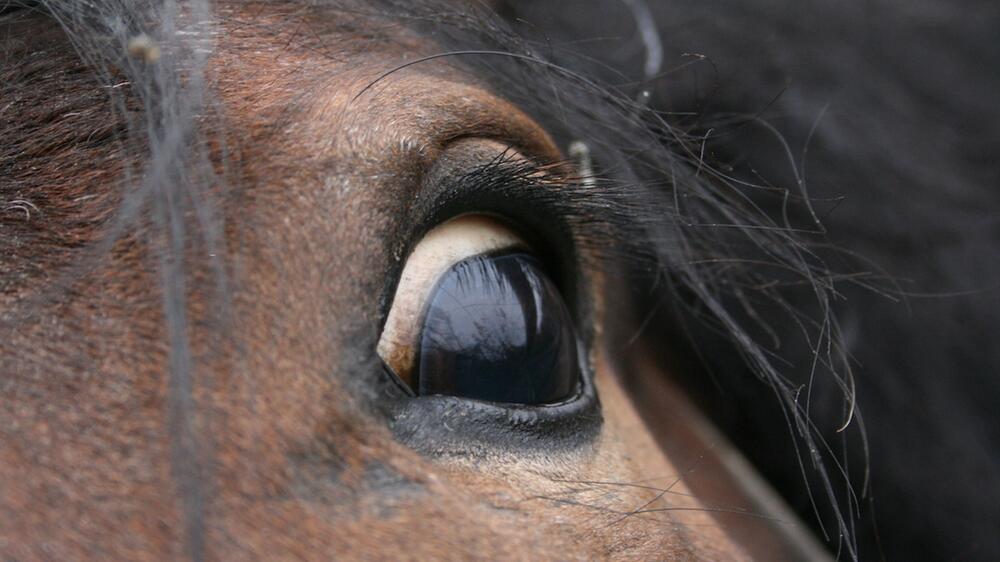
296 455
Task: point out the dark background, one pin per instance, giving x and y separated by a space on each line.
890 112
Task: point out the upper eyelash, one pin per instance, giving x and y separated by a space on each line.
601 213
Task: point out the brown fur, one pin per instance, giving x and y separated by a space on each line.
298 469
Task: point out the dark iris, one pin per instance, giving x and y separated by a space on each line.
496 329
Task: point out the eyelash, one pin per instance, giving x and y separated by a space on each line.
597 216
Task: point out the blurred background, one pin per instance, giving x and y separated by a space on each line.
887 113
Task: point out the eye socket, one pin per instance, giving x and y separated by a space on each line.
476 316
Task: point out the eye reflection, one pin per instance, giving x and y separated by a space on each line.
476 316
496 328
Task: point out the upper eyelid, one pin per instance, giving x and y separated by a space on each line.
600 211
512 165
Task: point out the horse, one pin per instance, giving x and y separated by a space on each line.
374 279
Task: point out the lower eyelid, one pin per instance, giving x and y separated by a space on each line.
439 250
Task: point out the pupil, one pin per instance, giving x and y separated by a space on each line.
496 329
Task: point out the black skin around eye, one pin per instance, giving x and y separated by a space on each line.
496 329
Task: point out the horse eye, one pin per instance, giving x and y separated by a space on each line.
496 329
476 316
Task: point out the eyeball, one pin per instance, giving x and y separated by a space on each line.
476 316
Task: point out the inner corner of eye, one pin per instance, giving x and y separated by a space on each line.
475 316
